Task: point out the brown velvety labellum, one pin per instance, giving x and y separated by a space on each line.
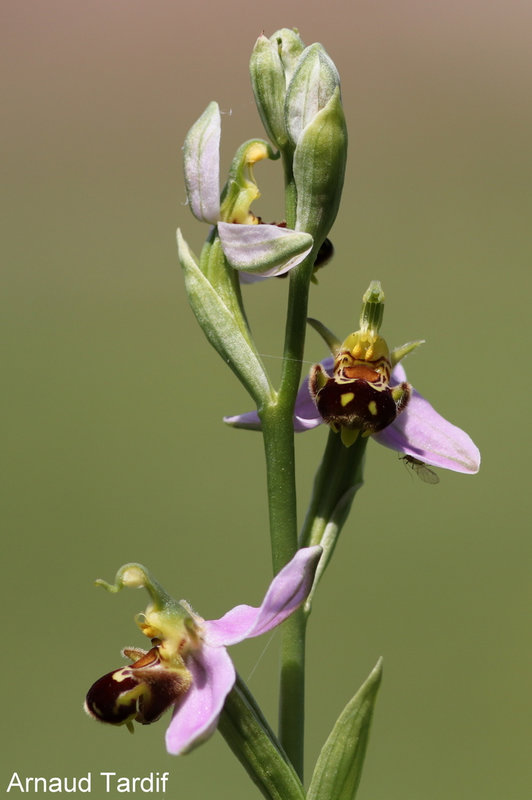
356 404
104 696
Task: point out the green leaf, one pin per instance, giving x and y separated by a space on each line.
222 329
339 766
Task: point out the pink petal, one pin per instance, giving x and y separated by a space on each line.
202 165
249 420
196 714
263 251
423 433
287 591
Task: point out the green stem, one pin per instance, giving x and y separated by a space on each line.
278 431
292 690
278 434
277 426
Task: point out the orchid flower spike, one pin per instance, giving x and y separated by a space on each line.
363 390
188 666
258 250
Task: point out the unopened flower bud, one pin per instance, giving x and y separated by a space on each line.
313 84
319 168
272 64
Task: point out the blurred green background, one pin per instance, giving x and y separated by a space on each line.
112 401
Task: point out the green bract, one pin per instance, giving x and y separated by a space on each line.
319 168
312 86
269 88
224 327
339 766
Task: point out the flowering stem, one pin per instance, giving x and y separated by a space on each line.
280 466
279 447
278 432
277 426
337 479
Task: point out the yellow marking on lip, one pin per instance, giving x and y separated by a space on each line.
121 674
346 398
372 407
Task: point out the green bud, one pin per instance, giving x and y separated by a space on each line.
290 46
312 86
271 67
319 169
269 88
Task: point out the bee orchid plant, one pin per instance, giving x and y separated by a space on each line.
361 392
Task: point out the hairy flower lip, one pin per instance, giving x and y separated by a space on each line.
419 431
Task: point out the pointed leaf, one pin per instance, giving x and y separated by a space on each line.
339 766
221 328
